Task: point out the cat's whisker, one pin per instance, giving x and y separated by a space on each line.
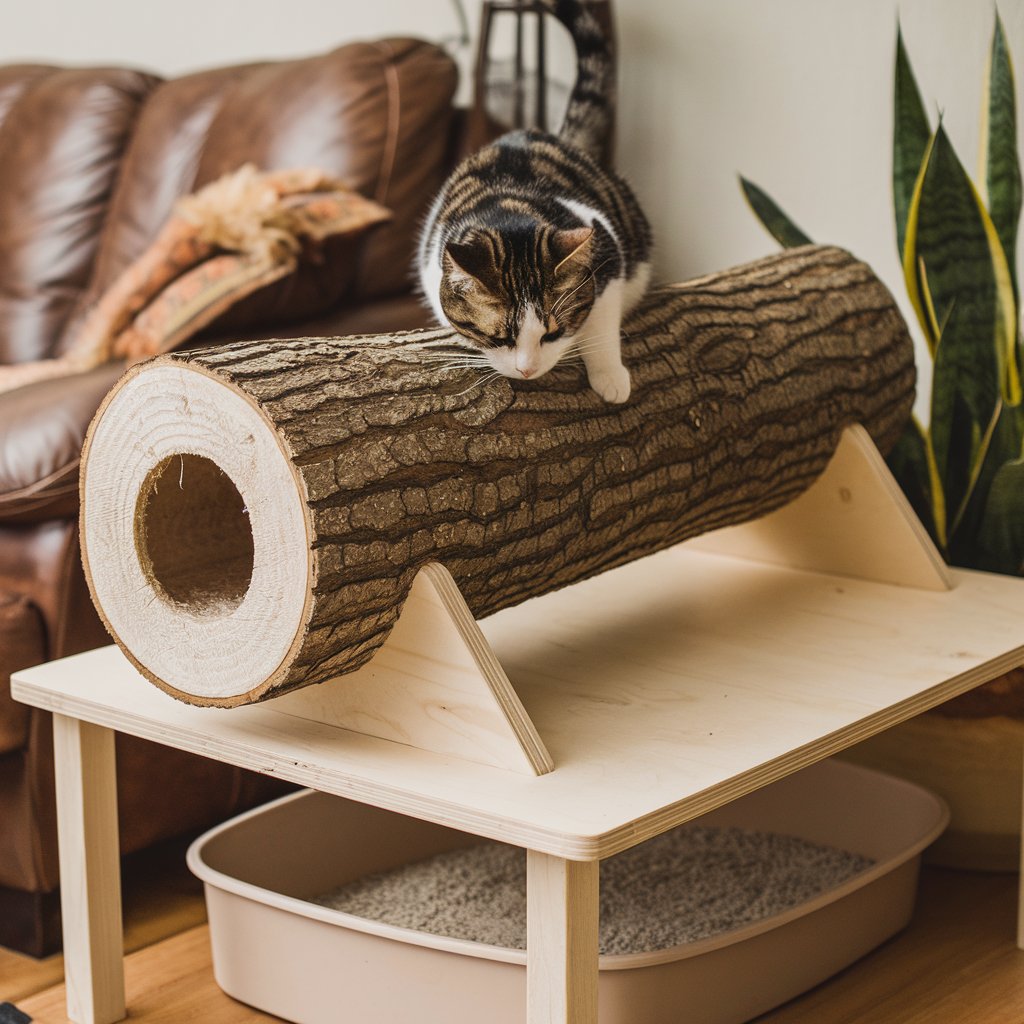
486 379
592 344
584 339
459 364
565 296
459 358
434 357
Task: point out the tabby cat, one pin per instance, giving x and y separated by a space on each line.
532 249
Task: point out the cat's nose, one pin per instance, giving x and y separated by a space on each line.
526 363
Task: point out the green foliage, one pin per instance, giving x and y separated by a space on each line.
782 229
964 475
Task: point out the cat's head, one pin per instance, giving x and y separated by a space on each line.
521 297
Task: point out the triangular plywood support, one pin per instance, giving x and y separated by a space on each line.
434 684
853 521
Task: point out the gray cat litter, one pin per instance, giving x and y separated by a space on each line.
686 885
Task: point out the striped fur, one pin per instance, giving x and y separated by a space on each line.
532 249
588 120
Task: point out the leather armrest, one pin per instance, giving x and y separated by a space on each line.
21 644
42 428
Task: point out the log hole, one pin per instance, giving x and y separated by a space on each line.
192 535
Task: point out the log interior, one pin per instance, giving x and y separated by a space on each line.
192 535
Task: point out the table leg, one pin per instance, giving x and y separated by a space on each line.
561 940
90 871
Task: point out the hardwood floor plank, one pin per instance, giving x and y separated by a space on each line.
161 898
167 983
957 963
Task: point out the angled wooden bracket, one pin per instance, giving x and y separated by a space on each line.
434 684
853 521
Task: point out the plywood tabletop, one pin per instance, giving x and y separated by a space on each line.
662 689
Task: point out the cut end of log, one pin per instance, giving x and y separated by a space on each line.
204 580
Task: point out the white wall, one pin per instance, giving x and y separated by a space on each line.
795 94
185 35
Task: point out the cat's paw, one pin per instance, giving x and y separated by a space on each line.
611 383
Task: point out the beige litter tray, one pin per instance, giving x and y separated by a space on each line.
274 950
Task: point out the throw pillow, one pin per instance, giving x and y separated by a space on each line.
240 233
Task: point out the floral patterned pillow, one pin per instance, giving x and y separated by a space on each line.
237 235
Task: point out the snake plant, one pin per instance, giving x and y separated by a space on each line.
964 473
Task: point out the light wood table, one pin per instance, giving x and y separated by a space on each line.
661 690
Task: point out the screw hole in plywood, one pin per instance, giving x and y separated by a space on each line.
193 536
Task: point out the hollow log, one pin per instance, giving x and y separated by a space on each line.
253 515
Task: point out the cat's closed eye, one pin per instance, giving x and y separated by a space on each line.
553 335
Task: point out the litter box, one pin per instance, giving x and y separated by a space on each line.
276 951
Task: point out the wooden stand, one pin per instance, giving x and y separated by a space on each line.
254 516
434 684
663 689
437 685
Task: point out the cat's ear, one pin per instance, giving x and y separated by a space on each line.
570 246
471 259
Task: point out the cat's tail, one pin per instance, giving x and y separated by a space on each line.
589 116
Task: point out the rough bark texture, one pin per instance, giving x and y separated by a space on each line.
742 384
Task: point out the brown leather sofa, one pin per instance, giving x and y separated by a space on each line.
91 161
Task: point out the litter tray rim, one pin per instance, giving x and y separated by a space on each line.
607 961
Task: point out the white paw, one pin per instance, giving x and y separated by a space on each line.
612 383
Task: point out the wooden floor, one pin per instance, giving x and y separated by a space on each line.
161 898
957 963
165 984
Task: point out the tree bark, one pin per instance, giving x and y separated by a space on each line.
742 384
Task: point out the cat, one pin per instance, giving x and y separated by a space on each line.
532 249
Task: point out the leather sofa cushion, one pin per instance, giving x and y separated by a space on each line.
378 115
62 134
42 427
22 644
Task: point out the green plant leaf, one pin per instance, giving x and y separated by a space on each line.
1004 445
911 133
954 256
781 228
1001 538
953 428
913 266
952 253
910 462
1000 163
